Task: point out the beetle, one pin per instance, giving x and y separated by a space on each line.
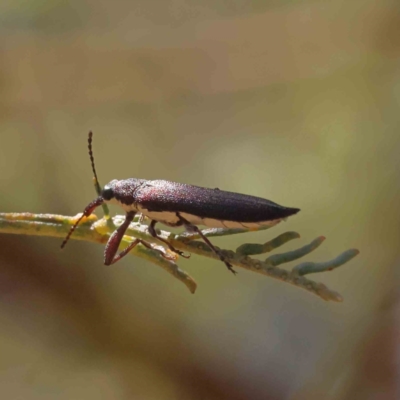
178 204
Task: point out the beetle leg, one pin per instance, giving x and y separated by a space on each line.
193 228
153 233
115 240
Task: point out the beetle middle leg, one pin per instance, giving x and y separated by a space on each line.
193 228
152 231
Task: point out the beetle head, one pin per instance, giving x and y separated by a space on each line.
108 191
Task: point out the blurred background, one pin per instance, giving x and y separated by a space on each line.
297 102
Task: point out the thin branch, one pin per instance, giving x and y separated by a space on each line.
95 230
250 249
59 225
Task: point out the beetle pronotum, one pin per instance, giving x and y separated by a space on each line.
179 204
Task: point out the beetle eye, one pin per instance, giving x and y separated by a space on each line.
107 193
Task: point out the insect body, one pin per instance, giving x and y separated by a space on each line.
177 204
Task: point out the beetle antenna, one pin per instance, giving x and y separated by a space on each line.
71 231
96 180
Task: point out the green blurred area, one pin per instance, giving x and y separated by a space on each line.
297 102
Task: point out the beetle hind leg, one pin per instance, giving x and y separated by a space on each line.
193 228
153 233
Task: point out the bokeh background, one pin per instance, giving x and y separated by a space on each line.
297 102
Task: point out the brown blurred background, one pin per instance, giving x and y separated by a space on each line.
297 102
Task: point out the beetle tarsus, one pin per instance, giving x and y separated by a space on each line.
181 253
229 266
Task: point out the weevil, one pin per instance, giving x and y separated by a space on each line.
178 205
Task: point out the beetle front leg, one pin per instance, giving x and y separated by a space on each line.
193 228
115 240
